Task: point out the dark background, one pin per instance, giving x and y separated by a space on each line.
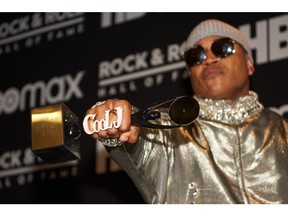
36 48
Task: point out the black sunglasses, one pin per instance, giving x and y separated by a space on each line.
221 48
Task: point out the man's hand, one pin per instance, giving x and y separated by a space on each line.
111 119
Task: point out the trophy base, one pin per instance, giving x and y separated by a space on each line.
56 154
55 133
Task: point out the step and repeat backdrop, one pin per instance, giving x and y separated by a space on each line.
81 58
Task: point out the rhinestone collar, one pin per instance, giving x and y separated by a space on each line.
236 113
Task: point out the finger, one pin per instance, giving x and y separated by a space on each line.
126 116
92 122
131 136
120 113
113 117
95 136
108 118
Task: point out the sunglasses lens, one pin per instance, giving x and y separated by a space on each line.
195 55
223 47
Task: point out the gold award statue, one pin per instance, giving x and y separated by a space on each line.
56 130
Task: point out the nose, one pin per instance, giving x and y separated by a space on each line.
211 58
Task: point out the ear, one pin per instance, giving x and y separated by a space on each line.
250 67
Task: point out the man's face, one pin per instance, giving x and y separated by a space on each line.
226 78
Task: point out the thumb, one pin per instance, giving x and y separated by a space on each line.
130 136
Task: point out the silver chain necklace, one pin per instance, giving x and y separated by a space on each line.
236 113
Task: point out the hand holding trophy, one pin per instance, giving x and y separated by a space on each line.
56 130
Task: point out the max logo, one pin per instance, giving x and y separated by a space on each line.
66 87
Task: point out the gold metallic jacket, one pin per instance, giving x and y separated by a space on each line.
231 154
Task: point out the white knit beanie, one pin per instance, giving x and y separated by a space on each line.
213 27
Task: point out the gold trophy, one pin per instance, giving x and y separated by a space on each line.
56 130
55 133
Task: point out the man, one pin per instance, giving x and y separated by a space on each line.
234 152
